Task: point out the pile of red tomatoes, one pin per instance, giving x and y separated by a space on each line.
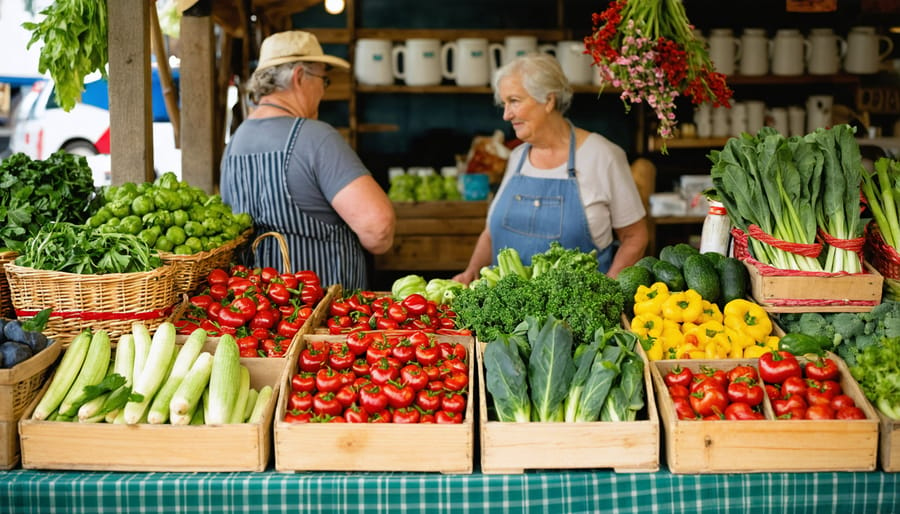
262 308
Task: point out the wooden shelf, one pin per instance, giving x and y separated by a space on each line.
677 220
656 143
452 89
783 80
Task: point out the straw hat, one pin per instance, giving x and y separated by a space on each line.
294 46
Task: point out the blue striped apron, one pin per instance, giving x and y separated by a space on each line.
532 212
257 184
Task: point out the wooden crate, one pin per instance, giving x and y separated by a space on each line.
513 447
145 447
795 293
374 446
889 445
18 387
434 235
770 445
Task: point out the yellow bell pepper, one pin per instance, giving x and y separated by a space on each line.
754 351
671 338
739 341
748 317
647 325
686 328
771 342
683 306
710 312
655 352
695 354
716 349
650 299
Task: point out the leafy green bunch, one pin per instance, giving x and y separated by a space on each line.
34 193
74 37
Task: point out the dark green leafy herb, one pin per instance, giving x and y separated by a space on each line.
71 248
35 193
74 36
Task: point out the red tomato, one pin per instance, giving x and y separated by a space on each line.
304 381
819 411
678 390
217 277
298 417
742 391
793 386
741 411
414 376
683 407
746 371
372 399
850 412
406 415
325 403
842 400
398 395
711 401
327 380
447 417
415 304
300 401
822 369
453 402
679 376
356 414
429 400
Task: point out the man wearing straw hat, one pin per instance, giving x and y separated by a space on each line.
298 176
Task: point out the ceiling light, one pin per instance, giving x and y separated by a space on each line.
334 6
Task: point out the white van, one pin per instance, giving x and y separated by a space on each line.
41 127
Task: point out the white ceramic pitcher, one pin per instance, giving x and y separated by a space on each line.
825 51
418 62
465 61
724 50
754 52
789 52
866 50
372 62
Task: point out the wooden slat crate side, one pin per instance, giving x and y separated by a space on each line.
511 447
769 290
373 446
145 447
889 445
770 445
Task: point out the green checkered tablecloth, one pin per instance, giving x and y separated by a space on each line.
551 492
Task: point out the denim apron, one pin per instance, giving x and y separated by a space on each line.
532 212
257 183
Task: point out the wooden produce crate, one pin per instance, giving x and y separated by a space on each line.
145 447
20 385
889 445
798 293
434 235
374 446
769 445
513 447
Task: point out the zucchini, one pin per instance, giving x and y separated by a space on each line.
96 364
153 373
66 372
237 413
159 407
734 279
251 402
187 396
224 381
262 400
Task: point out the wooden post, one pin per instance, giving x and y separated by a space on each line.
130 109
198 89
170 93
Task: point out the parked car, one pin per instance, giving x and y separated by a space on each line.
41 127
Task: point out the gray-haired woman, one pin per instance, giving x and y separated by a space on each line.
564 184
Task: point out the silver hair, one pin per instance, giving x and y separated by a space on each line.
541 75
272 79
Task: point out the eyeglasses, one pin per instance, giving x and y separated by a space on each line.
325 80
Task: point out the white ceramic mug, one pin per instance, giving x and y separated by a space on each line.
721 126
576 64
818 112
465 61
789 52
724 50
778 119
866 50
421 62
738 118
703 119
796 120
825 51
756 115
754 52
372 62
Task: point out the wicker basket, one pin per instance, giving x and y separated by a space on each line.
191 270
111 302
6 309
885 259
282 245
18 387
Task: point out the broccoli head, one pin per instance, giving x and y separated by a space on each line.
847 326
